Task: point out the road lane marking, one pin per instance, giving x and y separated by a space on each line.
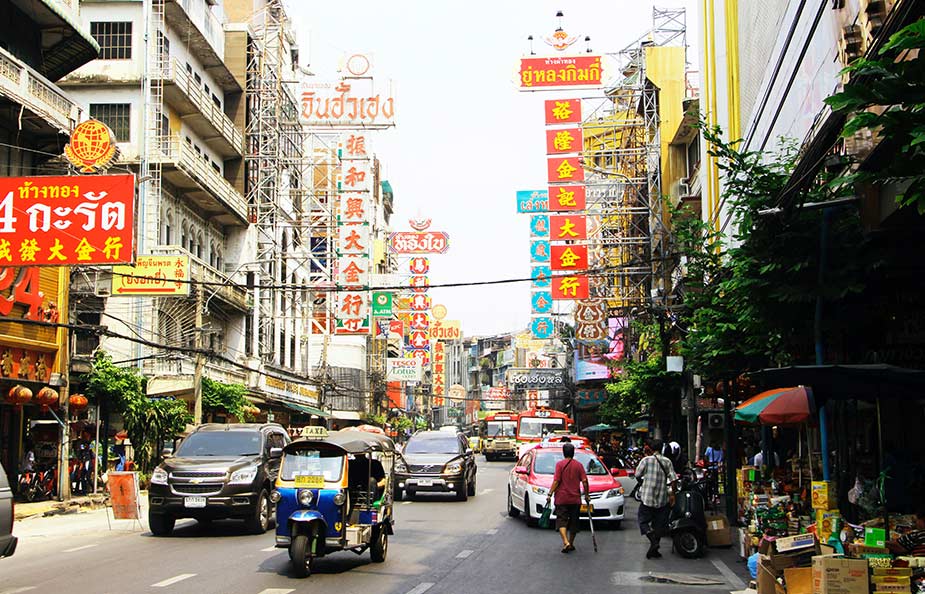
406 503
421 588
17 590
492 532
267 550
730 575
75 549
483 491
278 591
464 553
173 580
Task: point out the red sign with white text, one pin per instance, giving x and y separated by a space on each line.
567 198
568 227
570 287
568 257
562 111
559 72
67 220
563 140
564 170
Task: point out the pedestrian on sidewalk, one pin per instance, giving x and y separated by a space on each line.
655 470
570 476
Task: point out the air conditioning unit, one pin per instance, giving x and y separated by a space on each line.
716 420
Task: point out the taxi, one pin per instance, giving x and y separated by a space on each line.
531 478
554 439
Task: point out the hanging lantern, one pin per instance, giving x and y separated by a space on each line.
77 402
19 395
47 397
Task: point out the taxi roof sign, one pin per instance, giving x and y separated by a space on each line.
314 432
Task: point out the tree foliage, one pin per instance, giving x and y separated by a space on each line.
230 398
148 421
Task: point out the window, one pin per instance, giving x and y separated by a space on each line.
163 49
115 39
216 101
115 115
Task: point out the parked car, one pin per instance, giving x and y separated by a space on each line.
219 471
436 462
531 478
7 540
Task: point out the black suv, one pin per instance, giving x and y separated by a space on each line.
436 462
219 471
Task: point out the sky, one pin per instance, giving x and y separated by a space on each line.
465 138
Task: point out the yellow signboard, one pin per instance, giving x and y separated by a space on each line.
314 432
309 481
152 275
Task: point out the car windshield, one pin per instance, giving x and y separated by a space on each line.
538 427
439 445
327 463
501 429
220 443
545 463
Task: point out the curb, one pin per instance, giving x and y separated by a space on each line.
57 508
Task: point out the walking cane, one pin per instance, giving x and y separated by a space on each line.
591 524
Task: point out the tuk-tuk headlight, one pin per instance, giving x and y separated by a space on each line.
275 496
306 496
340 498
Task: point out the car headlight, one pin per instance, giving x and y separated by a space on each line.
159 476
452 468
244 475
539 490
305 497
340 498
614 492
400 466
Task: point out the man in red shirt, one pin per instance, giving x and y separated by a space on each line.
569 477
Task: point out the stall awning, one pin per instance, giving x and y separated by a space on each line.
302 408
641 426
345 415
781 406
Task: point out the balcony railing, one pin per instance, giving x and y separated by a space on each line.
217 284
222 372
29 88
197 100
173 151
199 19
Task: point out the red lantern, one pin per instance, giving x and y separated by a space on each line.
78 402
19 395
46 397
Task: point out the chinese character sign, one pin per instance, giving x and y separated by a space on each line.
568 227
563 141
570 288
67 220
564 170
539 226
567 198
438 376
352 315
152 275
569 257
562 111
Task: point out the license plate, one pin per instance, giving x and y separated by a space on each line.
425 483
584 508
194 502
309 481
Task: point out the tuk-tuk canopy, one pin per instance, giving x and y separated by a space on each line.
351 442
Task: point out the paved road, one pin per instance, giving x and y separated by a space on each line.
440 547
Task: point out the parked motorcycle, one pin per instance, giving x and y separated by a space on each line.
687 520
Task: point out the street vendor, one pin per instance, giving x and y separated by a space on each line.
911 543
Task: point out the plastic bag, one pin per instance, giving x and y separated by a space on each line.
544 517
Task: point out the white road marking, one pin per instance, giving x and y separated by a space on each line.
267 550
173 580
464 553
730 575
406 503
483 491
17 590
90 546
278 591
421 588
492 532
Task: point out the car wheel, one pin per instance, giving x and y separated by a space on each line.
161 524
617 524
511 510
471 488
204 522
462 493
380 546
259 520
531 521
397 494
302 560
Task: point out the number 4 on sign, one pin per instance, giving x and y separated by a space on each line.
25 283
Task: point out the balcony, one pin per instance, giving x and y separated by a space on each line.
19 83
219 286
204 34
197 110
210 193
174 377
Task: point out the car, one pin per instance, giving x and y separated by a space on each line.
7 540
219 471
436 462
531 478
555 440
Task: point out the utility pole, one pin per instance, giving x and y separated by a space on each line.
200 360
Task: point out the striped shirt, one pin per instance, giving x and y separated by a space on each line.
914 542
654 470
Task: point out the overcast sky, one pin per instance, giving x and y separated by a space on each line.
466 139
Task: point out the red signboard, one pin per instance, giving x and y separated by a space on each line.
66 220
418 339
568 257
419 242
563 141
567 198
562 111
564 170
560 72
569 288
568 227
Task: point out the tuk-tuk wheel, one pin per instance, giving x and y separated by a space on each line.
300 556
380 545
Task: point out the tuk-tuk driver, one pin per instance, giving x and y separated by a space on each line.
361 469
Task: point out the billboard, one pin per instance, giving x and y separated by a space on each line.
162 276
536 378
445 329
560 72
594 360
403 370
562 111
419 242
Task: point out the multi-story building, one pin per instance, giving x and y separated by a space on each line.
41 43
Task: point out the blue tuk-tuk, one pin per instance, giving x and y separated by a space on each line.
334 493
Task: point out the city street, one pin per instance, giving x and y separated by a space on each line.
440 546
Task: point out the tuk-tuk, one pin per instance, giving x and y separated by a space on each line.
334 493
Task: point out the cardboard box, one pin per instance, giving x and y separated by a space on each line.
785 544
767 577
825 522
874 537
856 550
891 579
825 495
900 571
838 575
799 580
892 588
718 530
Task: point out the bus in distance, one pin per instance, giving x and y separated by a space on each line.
499 432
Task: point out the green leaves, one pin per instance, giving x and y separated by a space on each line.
228 397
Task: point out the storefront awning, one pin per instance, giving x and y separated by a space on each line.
864 382
641 426
345 415
302 408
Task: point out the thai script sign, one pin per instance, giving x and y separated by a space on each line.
445 329
560 72
532 201
63 221
290 390
536 378
350 103
403 370
152 275
415 242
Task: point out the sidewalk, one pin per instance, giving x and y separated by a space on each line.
73 505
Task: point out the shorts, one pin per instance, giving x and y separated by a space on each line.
567 517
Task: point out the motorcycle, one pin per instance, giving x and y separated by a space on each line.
687 520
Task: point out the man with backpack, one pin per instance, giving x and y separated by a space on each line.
657 472
570 476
